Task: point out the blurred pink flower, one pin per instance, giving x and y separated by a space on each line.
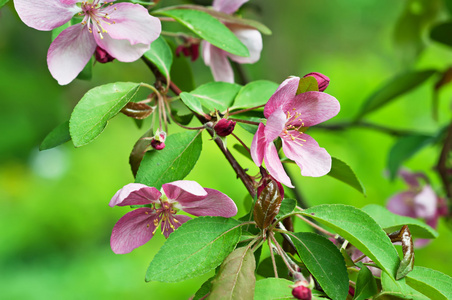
217 59
138 226
124 30
418 202
288 116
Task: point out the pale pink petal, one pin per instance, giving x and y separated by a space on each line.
184 191
228 6
285 92
275 125
133 230
402 204
274 166
252 39
313 108
135 194
432 222
425 203
214 204
218 62
122 50
258 145
45 14
132 22
305 151
167 229
420 243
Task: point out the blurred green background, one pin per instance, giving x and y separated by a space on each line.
55 223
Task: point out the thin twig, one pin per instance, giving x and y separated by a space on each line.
244 121
384 129
241 142
245 110
275 269
316 226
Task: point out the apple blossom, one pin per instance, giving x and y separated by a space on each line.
217 59
124 30
137 227
288 116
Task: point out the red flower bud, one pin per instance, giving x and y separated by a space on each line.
224 127
158 142
103 56
322 80
189 49
302 292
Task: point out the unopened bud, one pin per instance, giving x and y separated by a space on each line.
190 48
302 292
224 127
103 56
158 142
322 80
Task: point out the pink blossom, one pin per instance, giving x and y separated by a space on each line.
419 201
288 116
217 59
124 30
138 226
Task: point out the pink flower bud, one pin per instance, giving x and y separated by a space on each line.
302 292
103 56
322 80
224 127
158 142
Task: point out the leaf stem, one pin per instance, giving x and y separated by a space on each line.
245 110
244 121
312 224
275 269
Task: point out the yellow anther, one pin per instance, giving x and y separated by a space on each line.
147 213
148 225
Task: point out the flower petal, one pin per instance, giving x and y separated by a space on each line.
228 6
285 92
69 53
402 204
274 166
215 204
411 178
183 191
218 62
133 23
122 50
133 230
305 151
258 145
426 203
135 194
322 80
252 39
313 107
177 221
275 125
45 14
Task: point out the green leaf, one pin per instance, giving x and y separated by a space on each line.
207 28
235 279
287 206
441 33
361 230
307 84
448 4
213 95
273 289
59 135
432 283
139 150
97 106
192 102
324 261
254 94
341 171
394 88
195 248
161 56
3 2
404 148
172 163
398 288
391 222
204 289
366 286
181 72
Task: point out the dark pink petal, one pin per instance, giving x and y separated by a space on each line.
252 39
69 53
228 6
322 80
131 22
412 179
176 221
305 151
133 230
218 62
184 191
402 204
275 125
285 92
135 194
215 204
45 14
122 50
274 166
426 203
258 145
313 107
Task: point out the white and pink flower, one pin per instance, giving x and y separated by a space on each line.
137 227
124 30
288 116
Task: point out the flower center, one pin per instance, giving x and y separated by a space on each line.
165 212
294 128
92 12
